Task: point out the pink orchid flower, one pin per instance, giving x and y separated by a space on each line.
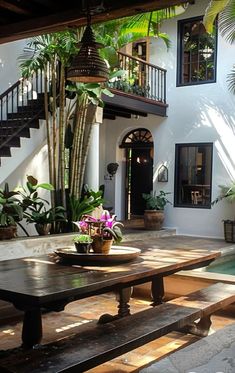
105 215
108 219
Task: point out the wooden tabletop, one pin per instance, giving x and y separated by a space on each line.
42 279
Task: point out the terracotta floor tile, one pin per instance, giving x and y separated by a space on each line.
79 313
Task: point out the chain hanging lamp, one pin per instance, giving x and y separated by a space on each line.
87 66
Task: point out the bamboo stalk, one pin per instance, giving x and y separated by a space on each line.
89 121
77 118
54 132
80 145
48 134
61 155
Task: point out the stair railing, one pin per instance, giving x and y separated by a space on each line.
19 105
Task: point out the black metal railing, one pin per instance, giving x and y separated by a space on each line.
140 78
20 105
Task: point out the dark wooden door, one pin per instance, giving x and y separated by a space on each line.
140 179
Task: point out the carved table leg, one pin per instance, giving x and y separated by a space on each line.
122 296
201 328
32 328
157 290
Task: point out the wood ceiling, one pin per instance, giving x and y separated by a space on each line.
25 18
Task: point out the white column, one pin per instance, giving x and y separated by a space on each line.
92 164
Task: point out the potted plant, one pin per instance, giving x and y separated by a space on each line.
154 213
103 231
82 243
228 193
10 213
43 218
36 209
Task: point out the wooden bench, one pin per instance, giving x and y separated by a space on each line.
104 342
215 353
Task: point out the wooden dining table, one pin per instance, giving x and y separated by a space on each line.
38 283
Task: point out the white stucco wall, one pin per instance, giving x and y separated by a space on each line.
9 65
202 113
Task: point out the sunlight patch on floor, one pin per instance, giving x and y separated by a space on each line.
70 326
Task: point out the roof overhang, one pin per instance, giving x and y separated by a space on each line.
35 17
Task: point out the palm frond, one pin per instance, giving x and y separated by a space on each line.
226 11
227 22
213 9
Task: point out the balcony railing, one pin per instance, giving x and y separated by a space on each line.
140 78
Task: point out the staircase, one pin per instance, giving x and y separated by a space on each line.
21 107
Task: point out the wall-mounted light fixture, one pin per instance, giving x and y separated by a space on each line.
87 66
162 174
112 169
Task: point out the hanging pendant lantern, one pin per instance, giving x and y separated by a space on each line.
87 66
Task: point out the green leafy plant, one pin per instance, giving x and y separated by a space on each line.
114 232
11 211
36 209
156 201
39 214
82 238
86 203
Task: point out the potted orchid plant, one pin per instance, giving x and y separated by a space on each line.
103 231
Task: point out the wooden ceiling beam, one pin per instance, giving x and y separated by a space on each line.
14 8
75 18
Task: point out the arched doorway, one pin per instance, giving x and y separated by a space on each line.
139 170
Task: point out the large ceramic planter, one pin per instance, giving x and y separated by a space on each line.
153 219
100 245
6 233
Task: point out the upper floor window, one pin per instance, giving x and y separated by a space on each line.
196 53
193 169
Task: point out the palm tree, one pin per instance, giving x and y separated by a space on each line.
225 9
48 52
117 33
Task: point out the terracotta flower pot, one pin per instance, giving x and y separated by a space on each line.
6 233
100 245
153 219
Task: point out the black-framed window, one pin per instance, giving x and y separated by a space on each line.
193 175
196 62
